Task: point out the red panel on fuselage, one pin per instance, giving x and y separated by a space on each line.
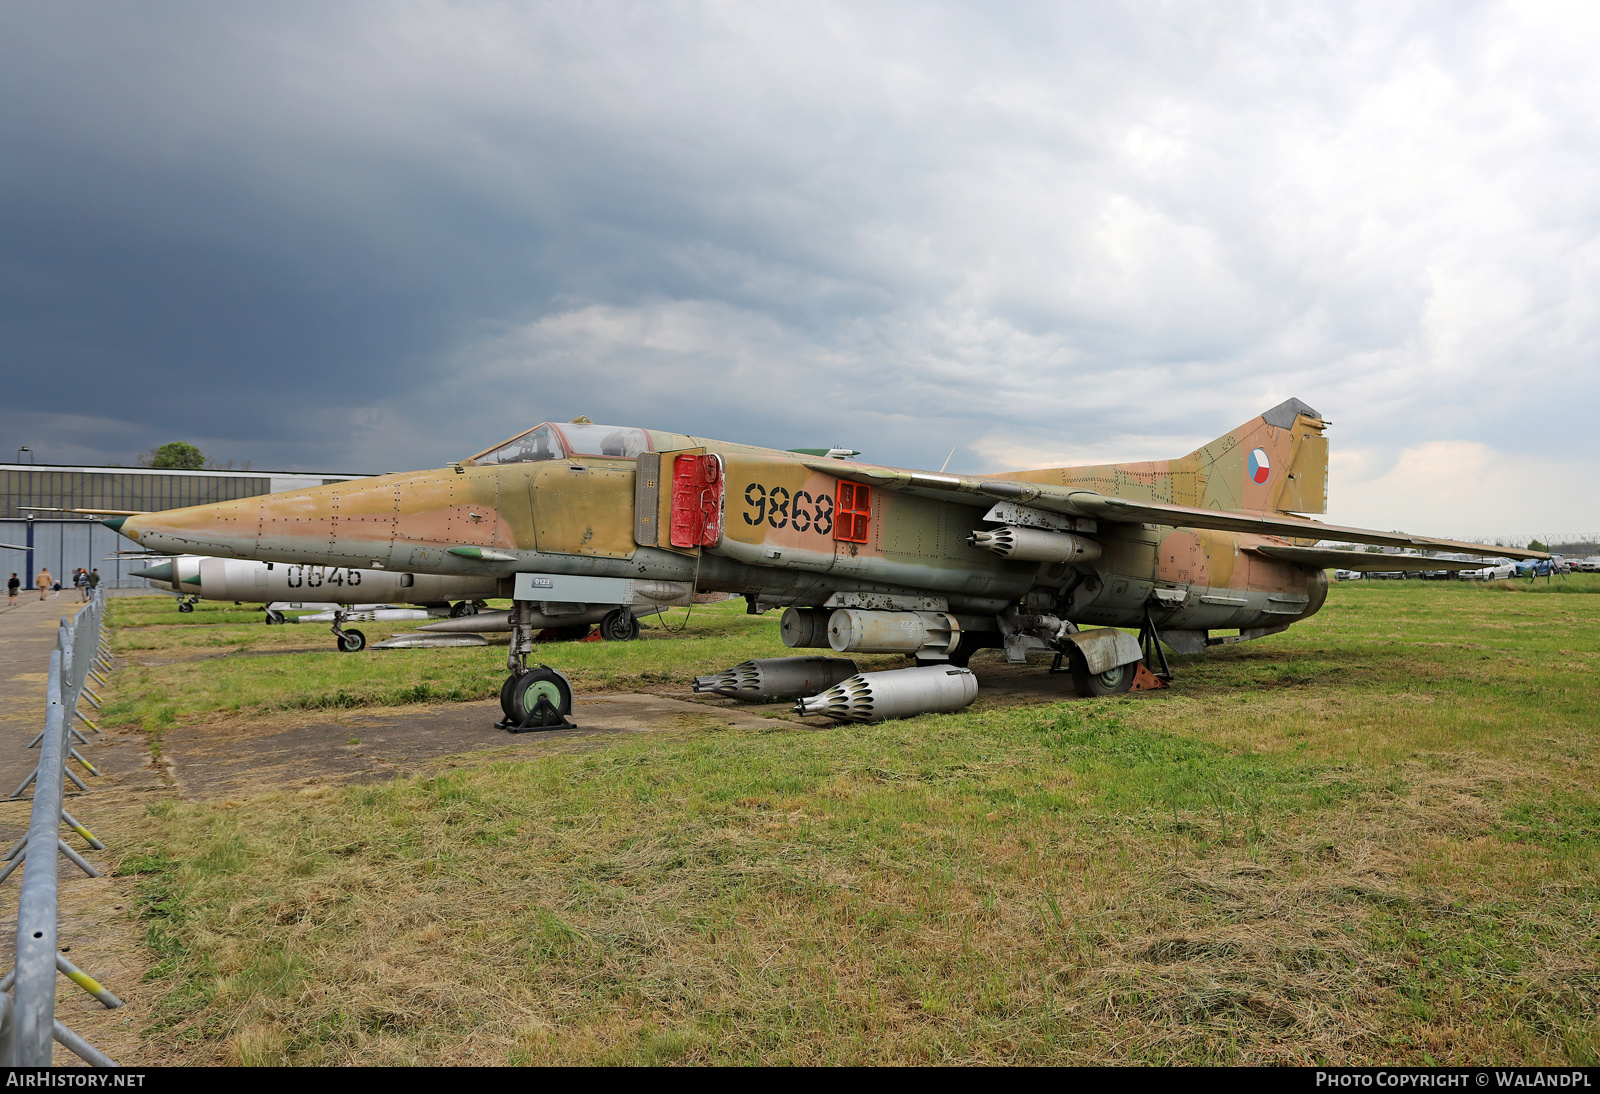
696 501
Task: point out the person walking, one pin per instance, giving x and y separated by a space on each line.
80 581
91 582
44 581
12 587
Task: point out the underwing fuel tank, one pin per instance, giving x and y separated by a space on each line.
924 634
899 693
777 678
1034 545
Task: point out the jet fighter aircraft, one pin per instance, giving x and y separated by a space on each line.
351 591
863 558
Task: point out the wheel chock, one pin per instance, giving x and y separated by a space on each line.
1145 680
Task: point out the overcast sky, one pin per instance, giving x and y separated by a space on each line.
374 237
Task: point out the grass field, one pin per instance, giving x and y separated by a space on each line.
1372 839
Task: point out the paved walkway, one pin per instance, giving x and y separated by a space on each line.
92 924
27 635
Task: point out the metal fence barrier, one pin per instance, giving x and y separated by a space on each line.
28 1020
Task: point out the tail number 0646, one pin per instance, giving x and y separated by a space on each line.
777 509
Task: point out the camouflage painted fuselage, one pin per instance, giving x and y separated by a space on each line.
776 533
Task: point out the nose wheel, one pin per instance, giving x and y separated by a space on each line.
349 640
531 698
539 698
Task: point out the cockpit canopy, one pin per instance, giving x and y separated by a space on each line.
553 442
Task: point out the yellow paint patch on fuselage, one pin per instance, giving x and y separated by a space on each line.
582 508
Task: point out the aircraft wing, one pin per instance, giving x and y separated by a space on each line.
1075 502
1361 561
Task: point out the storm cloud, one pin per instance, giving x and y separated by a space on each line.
374 237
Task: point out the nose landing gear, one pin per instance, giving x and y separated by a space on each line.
538 698
349 639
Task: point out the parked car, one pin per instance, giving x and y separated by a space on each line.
1498 570
1445 575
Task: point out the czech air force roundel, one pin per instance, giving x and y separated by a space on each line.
1260 466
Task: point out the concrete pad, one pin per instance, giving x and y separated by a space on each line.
238 758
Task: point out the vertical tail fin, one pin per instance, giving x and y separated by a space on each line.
1276 463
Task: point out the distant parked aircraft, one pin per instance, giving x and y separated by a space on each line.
345 590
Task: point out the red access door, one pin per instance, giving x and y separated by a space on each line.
696 501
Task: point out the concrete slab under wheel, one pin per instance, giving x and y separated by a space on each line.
235 759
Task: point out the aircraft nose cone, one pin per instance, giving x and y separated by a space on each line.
161 571
115 523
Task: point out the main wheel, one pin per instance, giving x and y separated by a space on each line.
522 693
619 625
274 617
185 606
352 641
465 607
1098 684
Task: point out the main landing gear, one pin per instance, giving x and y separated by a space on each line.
186 603
1149 674
532 698
349 639
619 625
